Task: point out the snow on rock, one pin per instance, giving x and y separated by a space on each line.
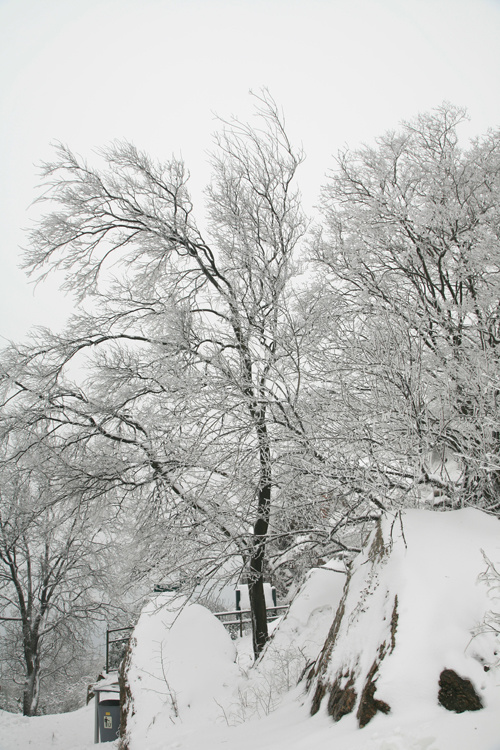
304 623
407 634
302 631
180 663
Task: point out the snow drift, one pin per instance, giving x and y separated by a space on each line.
182 665
180 662
294 645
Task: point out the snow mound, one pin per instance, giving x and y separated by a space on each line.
410 633
180 664
295 644
304 624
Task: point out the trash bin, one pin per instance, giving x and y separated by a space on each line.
109 719
107 712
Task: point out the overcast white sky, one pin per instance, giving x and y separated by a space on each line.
85 72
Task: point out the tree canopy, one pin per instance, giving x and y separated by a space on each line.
253 394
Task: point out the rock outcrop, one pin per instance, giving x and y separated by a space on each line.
408 629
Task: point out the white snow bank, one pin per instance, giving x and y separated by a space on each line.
434 564
71 731
296 642
305 626
182 662
442 605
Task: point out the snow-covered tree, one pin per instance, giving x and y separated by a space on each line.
186 341
411 243
54 584
247 415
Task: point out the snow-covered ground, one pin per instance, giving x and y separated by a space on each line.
195 691
289 728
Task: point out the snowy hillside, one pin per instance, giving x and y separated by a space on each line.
417 603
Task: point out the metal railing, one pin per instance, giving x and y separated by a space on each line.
111 641
240 619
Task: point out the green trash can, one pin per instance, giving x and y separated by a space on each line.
107 713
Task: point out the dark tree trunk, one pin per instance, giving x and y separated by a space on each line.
256 577
31 687
31 629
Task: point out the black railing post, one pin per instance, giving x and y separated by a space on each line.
107 651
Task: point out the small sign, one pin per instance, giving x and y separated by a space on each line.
108 722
